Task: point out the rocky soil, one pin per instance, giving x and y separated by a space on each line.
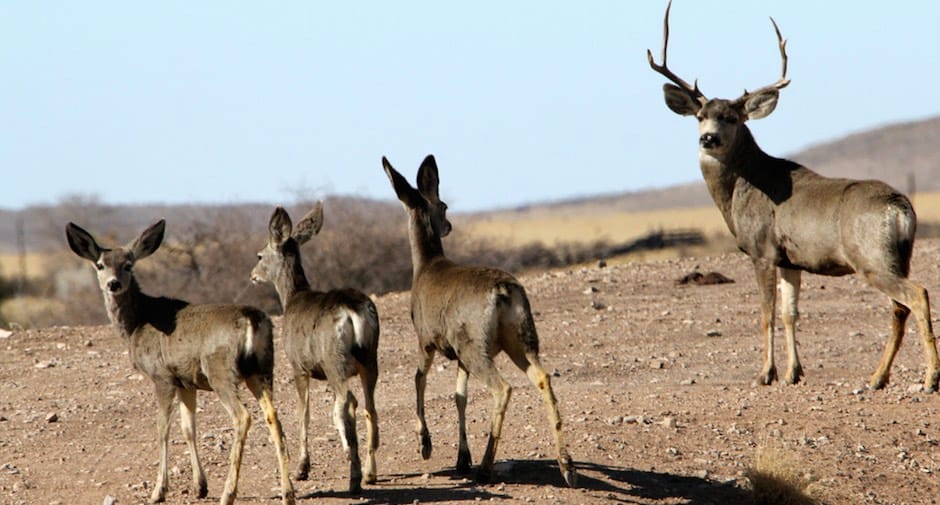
654 382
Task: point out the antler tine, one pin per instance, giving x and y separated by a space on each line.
782 82
663 69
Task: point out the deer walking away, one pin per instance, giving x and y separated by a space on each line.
330 336
469 314
789 219
185 347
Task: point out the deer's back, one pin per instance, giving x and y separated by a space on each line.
454 306
336 330
186 344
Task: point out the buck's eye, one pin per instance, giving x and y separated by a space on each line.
127 267
99 266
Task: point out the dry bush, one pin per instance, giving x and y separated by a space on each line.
776 479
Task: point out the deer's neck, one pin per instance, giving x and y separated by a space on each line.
124 308
744 162
291 280
426 245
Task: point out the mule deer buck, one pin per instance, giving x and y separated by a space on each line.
332 336
186 347
790 219
469 314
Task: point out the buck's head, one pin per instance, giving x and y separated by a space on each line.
284 240
424 204
115 267
719 120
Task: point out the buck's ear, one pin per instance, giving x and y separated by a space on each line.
761 104
82 243
279 227
679 101
309 225
408 195
428 180
148 241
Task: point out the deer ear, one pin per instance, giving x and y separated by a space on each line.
762 104
309 225
148 241
679 101
408 195
82 243
279 227
428 180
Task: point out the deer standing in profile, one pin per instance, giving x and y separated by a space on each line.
186 347
790 219
469 314
329 336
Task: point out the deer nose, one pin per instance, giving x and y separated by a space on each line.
709 140
114 285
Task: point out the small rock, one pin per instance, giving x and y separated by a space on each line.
915 388
109 500
589 290
701 474
668 422
601 264
614 421
5 333
52 418
713 333
598 305
672 451
44 364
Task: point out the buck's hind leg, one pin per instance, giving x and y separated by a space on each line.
484 368
789 312
464 460
912 298
302 384
187 398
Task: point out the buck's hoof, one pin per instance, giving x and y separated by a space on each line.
202 490
370 478
288 499
463 462
931 381
355 487
877 382
158 496
766 378
571 477
426 446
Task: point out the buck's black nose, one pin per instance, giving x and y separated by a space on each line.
114 285
709 140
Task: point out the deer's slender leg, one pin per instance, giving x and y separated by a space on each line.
421 382
344 419
790 313
501 391
241 421
529 362
915 299
464 460
187 399
766 275
302 384
165 394
261 389
369 375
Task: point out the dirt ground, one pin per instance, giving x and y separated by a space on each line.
654 383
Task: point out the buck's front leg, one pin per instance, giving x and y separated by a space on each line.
421 382
766 275
789 312
464 460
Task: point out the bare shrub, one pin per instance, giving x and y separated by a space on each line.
778 480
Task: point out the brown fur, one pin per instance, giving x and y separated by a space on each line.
183 348
470 314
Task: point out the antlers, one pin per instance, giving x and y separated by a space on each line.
693 90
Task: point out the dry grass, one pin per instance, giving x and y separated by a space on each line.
778 479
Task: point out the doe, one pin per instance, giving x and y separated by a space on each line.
790 219
185 347
330 336
469 314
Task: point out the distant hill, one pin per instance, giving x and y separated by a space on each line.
902 154
905 155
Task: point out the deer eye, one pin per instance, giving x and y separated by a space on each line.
127 267
99 266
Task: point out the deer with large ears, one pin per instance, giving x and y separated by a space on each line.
469 314
330 336
790 220
185 347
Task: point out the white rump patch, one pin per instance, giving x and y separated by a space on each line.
249 338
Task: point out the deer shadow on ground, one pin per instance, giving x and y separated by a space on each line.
599 483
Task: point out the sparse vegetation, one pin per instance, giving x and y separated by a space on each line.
778 479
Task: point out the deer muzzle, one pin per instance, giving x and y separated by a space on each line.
709 140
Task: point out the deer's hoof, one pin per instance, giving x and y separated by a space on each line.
158 496
303 470
767 377
931 381
355 486
878 382
463 462
426 446
288 498
202 489
794 375
567 471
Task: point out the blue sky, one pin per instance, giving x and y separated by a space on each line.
210 101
